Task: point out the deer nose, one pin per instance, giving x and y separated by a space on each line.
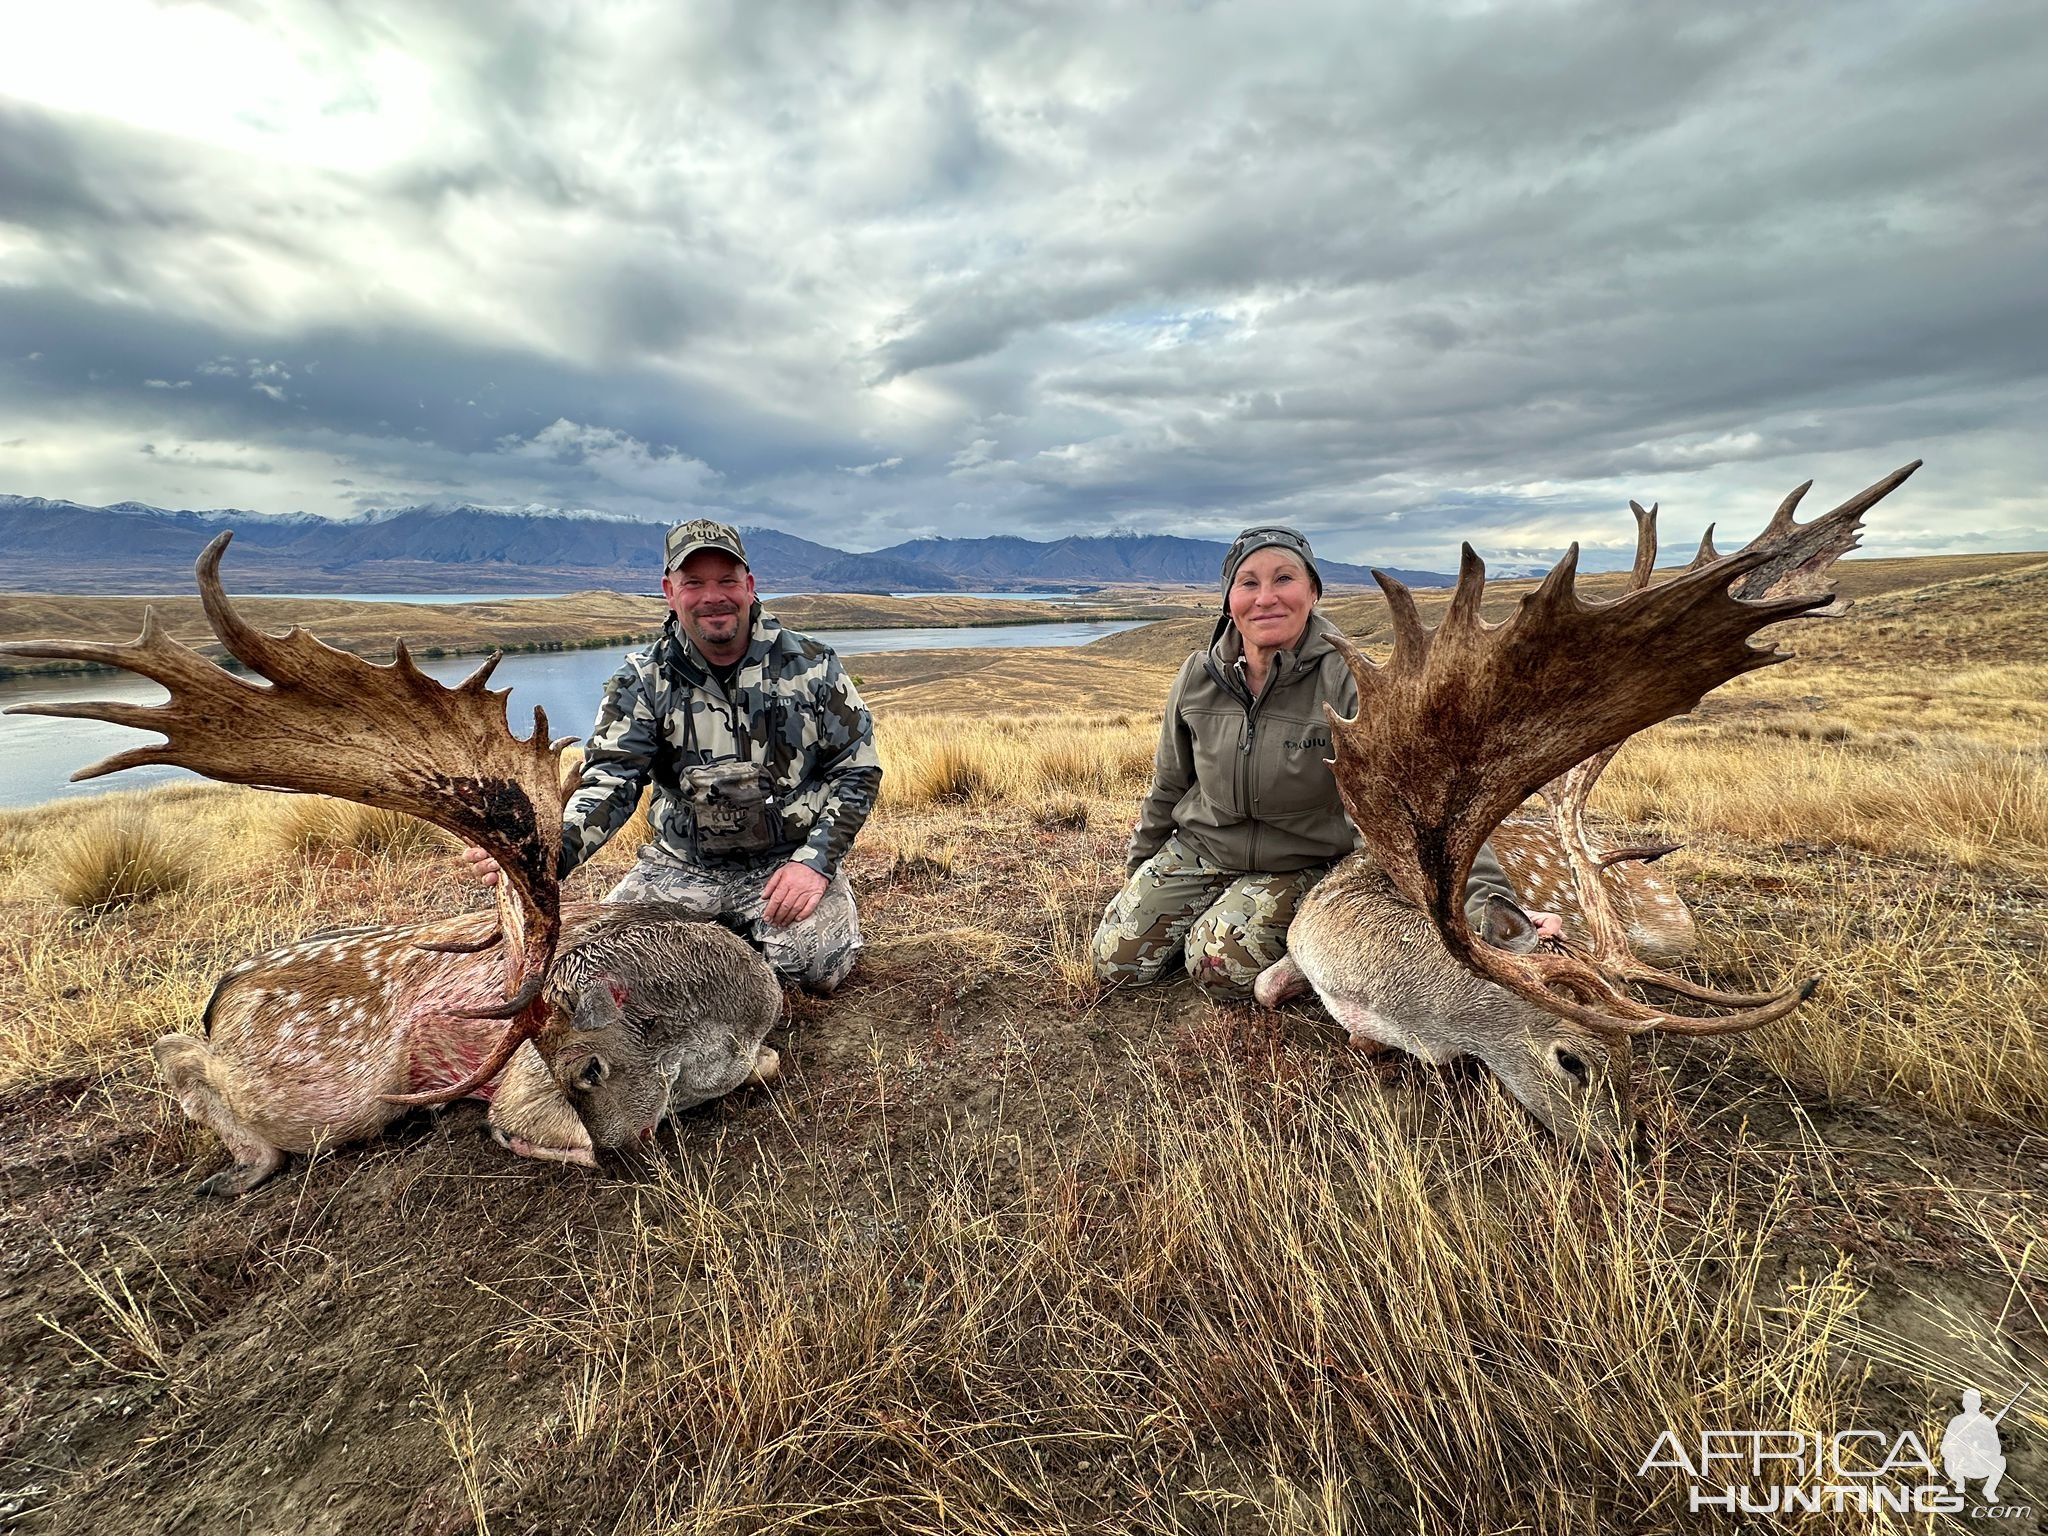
647 1133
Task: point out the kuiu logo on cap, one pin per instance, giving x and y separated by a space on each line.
685 539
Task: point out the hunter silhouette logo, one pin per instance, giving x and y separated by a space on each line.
1970 1448
1799 1471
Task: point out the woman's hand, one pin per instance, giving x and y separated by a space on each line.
1548 925
483 869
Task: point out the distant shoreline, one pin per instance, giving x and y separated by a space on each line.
576 622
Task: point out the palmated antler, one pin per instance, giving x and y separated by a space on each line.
1468 719
389 736
1800 557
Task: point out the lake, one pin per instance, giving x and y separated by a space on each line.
38 755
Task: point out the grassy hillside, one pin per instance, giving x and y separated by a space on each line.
1007 1252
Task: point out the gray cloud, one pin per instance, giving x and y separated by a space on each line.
1402 276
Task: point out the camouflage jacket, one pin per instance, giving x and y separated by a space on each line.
793 715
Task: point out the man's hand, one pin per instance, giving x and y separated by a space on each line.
1548 924
792 894
481 866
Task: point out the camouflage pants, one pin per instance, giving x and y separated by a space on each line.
817 952
1224 925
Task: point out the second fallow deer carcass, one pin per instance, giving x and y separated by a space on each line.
1463 724
582 1025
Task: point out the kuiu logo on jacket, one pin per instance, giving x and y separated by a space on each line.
1309 744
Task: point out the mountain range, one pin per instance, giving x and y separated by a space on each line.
61 546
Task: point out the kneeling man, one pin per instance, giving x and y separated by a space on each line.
762 758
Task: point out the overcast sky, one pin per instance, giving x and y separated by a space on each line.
1398 274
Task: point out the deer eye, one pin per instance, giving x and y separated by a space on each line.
593 1071
1573 1067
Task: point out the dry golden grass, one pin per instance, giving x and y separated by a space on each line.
315 824
1309 1311
939 759
1972 806
1933 991
117 859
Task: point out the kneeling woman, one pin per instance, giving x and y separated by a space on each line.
1243 817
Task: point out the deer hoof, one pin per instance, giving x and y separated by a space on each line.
240 1178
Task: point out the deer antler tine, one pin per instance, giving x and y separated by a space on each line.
490 940
1781 520
1872 494
512 1007
1409 635
244 642
1646 545
1646 853
1467 595
1735 1023
1678 986
1561 584
474 683
1707 553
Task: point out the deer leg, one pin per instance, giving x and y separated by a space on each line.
189 1068
1278 982
1368 1029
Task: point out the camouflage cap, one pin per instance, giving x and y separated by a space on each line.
685 539
1271 536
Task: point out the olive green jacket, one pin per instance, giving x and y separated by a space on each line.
1246 782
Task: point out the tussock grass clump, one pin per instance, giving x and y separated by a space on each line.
909 851
938 760
1095 761
1296 1304
949 767
314 824
1069 814
117 859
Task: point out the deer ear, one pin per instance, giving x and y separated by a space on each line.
1506 926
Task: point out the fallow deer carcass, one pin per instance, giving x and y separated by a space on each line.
582 1025
1465 722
